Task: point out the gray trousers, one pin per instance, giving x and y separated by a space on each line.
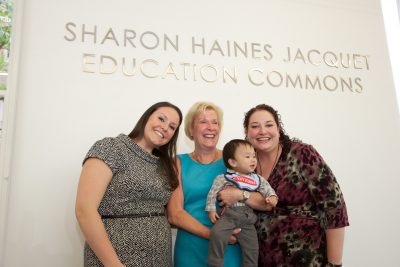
234 217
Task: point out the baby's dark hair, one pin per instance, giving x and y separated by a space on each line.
228 152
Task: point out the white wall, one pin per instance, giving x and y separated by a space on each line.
57 110
391 15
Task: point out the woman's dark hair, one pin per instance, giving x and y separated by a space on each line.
167 152
284 139
228 152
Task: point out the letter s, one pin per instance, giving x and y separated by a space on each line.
68 27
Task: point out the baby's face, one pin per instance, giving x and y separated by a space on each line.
245 159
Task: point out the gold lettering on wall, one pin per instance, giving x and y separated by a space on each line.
151 68
330 83
308 69
328 58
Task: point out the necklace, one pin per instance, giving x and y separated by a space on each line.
195 156
273 165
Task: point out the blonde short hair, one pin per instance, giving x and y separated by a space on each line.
199 108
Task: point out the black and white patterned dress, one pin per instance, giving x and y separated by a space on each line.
138 186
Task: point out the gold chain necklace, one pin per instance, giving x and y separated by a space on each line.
197 159
273 166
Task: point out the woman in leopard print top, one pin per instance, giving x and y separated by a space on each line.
307 226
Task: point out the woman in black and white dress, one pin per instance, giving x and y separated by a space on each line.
125 183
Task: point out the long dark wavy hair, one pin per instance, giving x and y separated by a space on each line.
167 152
284 138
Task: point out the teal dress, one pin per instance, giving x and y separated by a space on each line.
192 250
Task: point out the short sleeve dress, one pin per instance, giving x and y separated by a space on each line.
138 187
192 250
310 201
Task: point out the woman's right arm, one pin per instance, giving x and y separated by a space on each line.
180 217
93 182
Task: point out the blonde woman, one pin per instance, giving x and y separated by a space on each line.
197 171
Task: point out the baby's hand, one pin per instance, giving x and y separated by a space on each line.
271 200
213 216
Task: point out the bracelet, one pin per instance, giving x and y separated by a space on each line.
330 264
246 195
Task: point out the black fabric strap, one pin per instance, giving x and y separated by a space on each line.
138 215
330 264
